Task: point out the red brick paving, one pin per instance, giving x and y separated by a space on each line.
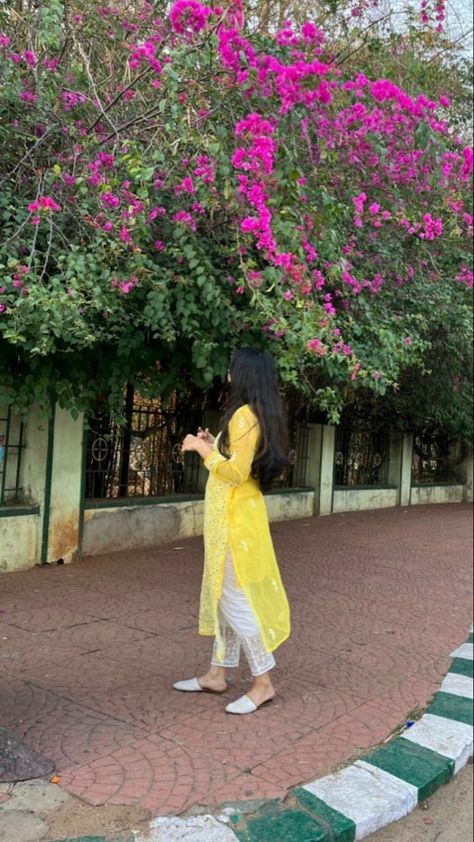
89 651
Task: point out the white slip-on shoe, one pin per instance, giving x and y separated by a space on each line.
191 685
245 705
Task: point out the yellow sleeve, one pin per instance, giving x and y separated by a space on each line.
243 440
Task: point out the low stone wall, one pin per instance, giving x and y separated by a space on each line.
359 499
143 525
422 495
19 541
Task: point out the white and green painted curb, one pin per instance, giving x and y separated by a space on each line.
381 787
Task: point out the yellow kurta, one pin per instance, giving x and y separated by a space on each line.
235 517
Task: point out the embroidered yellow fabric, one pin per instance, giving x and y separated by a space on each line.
235 516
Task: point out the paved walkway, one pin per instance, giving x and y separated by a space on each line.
88 653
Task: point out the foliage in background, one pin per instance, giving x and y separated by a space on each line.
175 185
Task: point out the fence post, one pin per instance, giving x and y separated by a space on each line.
405 469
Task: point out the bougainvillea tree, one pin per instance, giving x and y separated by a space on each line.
172 187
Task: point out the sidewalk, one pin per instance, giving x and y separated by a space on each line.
89 652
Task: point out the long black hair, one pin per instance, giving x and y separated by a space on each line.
254 381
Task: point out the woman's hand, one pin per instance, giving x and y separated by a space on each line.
190 443
205 435
199 445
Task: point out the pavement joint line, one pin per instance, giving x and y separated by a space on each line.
379 788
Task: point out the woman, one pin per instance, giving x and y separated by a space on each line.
243 602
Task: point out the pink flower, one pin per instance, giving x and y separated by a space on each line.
433 227
185 186
110 199
28 96
355 371
310 32
359 201
188 16
408 340
30 58
51 64
155 212
468 162
5 40
288 295
125 236
317 346
465 276
44 203
159 245
125 286
374 208
185 218
71 99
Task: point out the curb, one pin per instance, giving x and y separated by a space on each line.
382 786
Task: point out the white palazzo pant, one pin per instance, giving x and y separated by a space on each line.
239 628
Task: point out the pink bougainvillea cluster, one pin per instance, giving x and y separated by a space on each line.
316 186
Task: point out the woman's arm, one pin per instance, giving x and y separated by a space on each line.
243 440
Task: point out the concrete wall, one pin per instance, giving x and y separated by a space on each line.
52 532
424 494
326 474
33 473
465 473
63 530
18 542
136 526
290 506
359 499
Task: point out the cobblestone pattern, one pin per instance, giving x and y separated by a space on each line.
89 651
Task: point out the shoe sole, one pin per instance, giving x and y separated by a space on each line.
203 690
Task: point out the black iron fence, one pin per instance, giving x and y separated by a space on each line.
295 474
362 456
435 458
12 435
143 457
